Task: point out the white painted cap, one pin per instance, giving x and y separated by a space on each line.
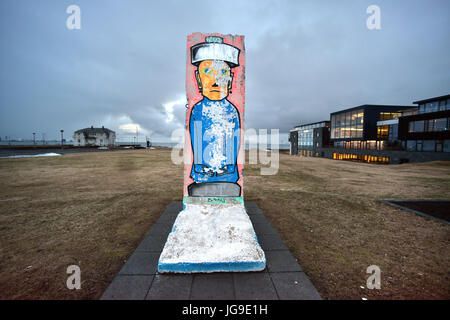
215 51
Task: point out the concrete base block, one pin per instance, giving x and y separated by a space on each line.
212 237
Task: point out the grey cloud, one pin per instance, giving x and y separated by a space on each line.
304 60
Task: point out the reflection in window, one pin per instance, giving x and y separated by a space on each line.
434 106
431 106
439 124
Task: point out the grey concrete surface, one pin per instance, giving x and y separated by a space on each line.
282 279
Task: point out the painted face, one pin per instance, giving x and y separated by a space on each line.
214 78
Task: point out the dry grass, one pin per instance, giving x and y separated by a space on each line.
327 214
93 209
89 209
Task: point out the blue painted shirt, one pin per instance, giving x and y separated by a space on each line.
215 135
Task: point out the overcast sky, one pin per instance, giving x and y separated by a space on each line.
126 65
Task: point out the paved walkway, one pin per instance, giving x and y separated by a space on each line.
282 279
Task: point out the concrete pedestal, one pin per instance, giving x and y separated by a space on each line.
212 236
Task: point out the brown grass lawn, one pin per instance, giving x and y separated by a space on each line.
93 209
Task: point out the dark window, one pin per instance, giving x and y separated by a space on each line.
446 145
429 145
411 145
430 125
431 106
421 108
419 126
393 132
419 145
440 124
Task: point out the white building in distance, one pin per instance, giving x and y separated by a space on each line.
94 137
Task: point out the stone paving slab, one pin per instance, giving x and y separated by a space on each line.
141 263
161 229
282 279
263 228
128 288
153 243
170 287
294 286
254 286
270 242
281 261
257 218
213 286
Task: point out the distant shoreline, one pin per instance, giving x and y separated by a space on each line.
18 150
8 151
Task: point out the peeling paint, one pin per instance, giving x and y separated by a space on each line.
215 86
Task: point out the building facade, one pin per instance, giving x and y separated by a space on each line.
305 138
357 128
387 133
429 129
94 137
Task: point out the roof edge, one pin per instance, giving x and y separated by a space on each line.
447 96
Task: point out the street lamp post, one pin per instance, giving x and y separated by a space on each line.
62 141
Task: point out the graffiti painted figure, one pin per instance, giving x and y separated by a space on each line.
214 122
213 233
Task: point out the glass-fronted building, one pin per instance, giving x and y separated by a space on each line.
303 138
380 133
436 104
347 124
357 128
387 129
429 129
